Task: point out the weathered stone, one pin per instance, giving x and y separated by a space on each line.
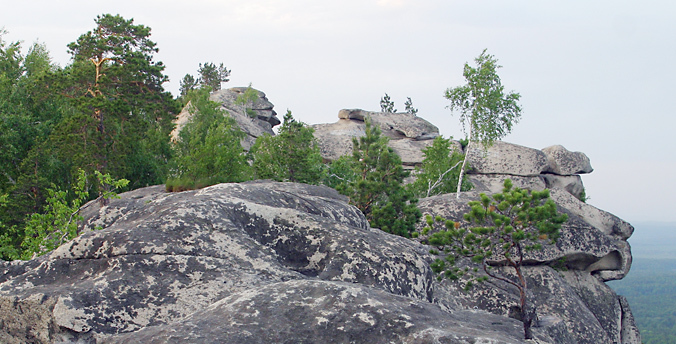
408 134
507 158
282 262
311 311
572 184
588 253
494 183
263 108
262 124
410 150
395 125
564 162
604 221
164 256
335 140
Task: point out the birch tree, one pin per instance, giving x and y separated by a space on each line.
487 113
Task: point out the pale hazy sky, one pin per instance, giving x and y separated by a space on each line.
594 76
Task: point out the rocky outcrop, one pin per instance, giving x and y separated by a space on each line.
553 168
265 117
566 279
267 262
408 134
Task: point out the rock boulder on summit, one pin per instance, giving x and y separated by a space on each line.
408 134
253 127
564 162
508 159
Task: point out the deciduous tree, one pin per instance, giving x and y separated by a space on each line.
486 112
439 170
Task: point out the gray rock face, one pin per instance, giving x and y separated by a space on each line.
573 304
265 119
564 162
267 262
408 134
507 158
311 311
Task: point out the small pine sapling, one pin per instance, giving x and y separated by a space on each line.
502 228
386 105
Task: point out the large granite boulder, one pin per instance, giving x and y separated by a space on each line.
507 158
565 163
408 134
265 262
261 124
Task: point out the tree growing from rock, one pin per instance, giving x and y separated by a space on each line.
373 182
409 107
487 114
439 170
290 156
246 101
386 105
501 229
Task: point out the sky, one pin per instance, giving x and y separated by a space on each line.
594 76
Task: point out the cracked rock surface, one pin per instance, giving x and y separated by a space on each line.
268 262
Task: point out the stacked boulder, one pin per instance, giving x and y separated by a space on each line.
253 126
408 134
553 167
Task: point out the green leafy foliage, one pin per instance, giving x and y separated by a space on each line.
188 83
487 114
292 155
208 150
46 231
373 178
502 228
246 101
438 173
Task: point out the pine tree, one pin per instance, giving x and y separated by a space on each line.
409 107
291 155
386 105
376 185
124 115
502 229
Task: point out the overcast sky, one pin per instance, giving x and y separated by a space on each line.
594 76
